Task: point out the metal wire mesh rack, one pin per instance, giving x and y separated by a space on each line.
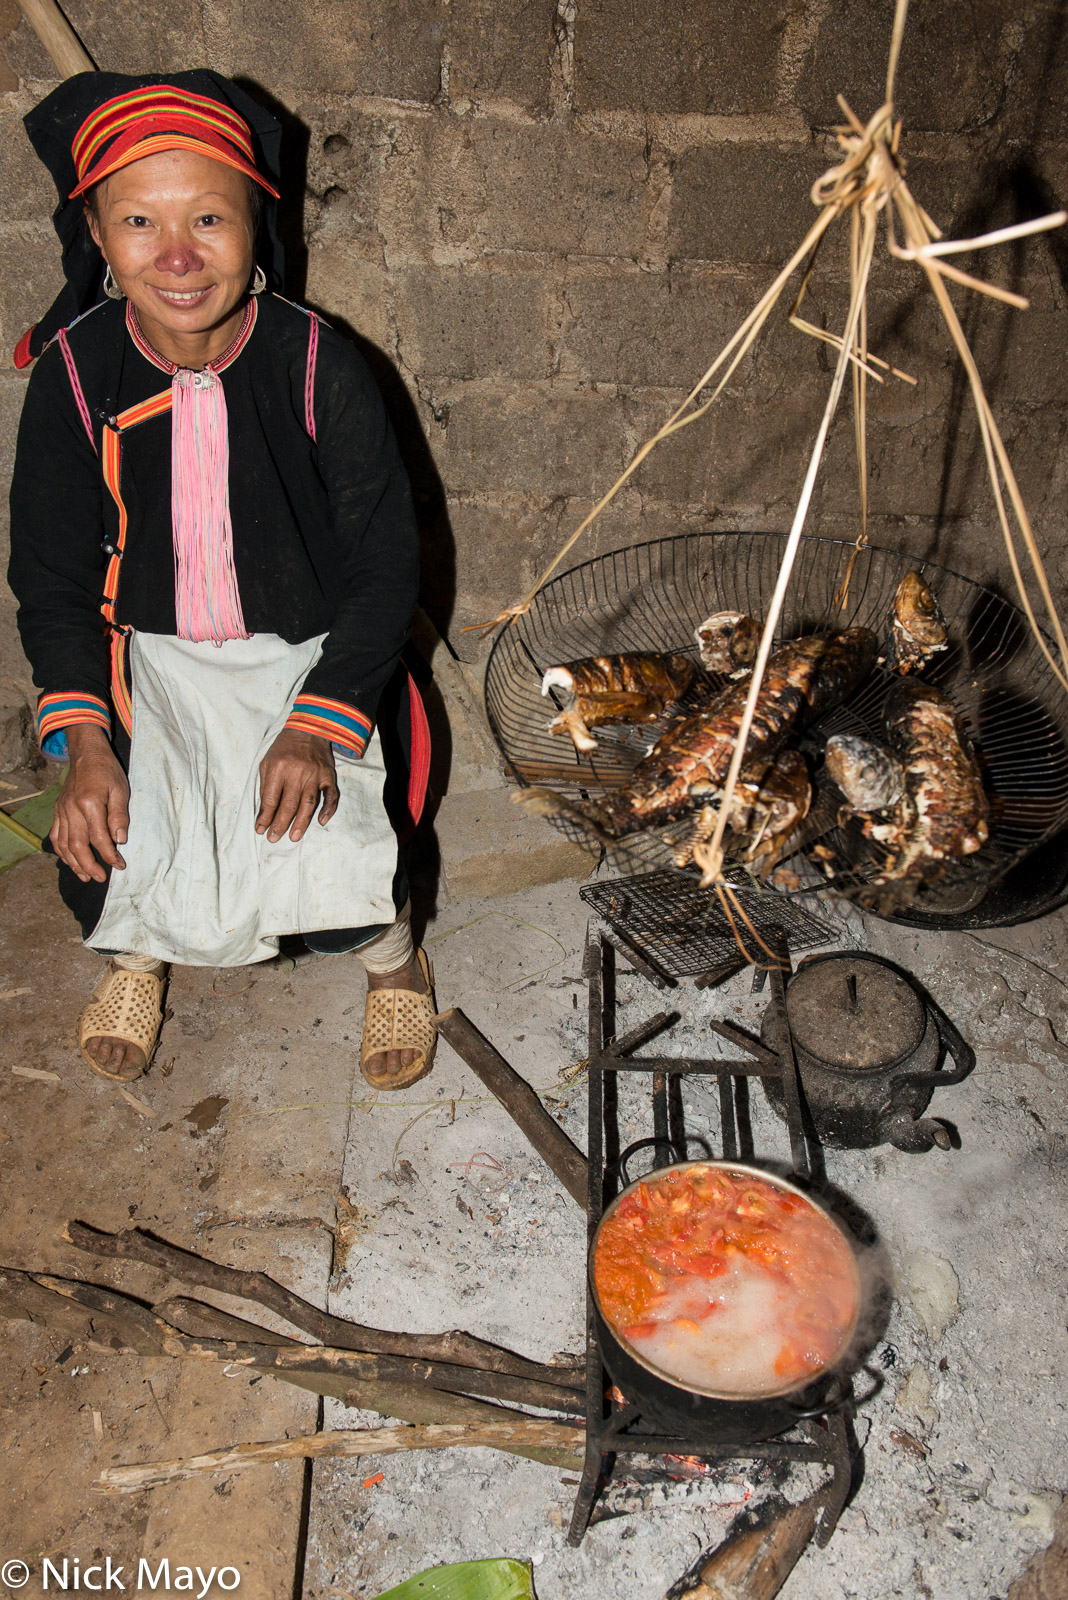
681 929
651 597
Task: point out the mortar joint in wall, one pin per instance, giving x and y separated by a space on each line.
445 73
562 61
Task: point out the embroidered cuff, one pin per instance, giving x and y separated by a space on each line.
331 719
55 711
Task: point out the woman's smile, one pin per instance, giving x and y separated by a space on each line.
182 297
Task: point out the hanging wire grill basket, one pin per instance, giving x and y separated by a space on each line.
650 597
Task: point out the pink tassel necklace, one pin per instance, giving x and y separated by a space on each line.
207 601
206 598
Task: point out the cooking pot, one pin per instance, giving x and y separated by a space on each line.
868 1042
728 1419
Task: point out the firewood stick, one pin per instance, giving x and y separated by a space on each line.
459 1348
756 1563
132 1326
372 1368
58 37
111 1321
23 1299
201 1321
155 1337
411 1401
126 1325
415 1402
519 1100
337 1446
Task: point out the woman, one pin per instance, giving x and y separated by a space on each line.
215 559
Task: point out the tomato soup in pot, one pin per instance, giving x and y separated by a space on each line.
726 1281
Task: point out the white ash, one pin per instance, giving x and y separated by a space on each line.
966 1452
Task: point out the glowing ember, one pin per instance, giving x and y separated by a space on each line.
726 1282
689 1466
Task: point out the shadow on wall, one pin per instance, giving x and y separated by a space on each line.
1010 188
437 545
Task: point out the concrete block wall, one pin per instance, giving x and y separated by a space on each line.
546 216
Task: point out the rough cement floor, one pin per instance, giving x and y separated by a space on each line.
204 1172
454 1222
967 1445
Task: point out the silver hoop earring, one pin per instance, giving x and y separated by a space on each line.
259 280
111 288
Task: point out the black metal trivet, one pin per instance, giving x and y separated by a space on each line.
614 1426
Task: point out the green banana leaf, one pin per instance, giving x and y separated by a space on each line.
500 1579
36 815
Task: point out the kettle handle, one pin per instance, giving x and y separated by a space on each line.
962 1055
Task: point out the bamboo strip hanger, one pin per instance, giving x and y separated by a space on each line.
871 151
871 176
869 180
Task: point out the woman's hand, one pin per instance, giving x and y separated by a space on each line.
92 811
296 770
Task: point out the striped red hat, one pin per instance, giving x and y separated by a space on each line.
97 122
160 117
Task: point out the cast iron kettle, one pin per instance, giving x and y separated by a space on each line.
728 1419
868 1042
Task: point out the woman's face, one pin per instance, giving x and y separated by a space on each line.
176 230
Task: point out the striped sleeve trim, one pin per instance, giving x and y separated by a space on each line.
55 711
331 719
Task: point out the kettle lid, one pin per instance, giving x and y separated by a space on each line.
854 1012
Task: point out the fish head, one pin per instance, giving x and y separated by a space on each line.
561 678
917 626
728 641
869 776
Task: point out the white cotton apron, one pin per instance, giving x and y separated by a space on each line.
201 887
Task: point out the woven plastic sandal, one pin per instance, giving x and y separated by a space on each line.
126 1006
398 1019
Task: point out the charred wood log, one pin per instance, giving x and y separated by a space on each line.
757 1556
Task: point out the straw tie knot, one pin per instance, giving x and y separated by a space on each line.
871 168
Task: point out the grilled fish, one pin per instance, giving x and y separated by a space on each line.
689 762
728 642
917 627
627 688
942 813
768 804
